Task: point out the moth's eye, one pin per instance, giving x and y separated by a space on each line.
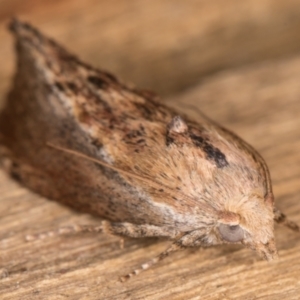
231 233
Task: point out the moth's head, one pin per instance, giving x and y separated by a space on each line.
249 221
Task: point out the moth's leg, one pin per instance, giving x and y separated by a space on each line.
120 229
173 248
192 239
281 218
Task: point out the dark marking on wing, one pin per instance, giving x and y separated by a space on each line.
104 104
67 87
15 175
111 77
97 143
134 134
212 153
169 140
72 86
97 82
59 86
146 111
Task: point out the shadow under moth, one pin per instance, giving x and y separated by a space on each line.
78 135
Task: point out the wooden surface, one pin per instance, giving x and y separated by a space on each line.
260 102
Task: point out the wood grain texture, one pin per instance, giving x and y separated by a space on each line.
260 102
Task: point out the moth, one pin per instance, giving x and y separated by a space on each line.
78 135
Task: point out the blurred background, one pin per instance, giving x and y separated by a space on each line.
236 60
166 46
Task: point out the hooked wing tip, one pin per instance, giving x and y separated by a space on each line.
15 25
